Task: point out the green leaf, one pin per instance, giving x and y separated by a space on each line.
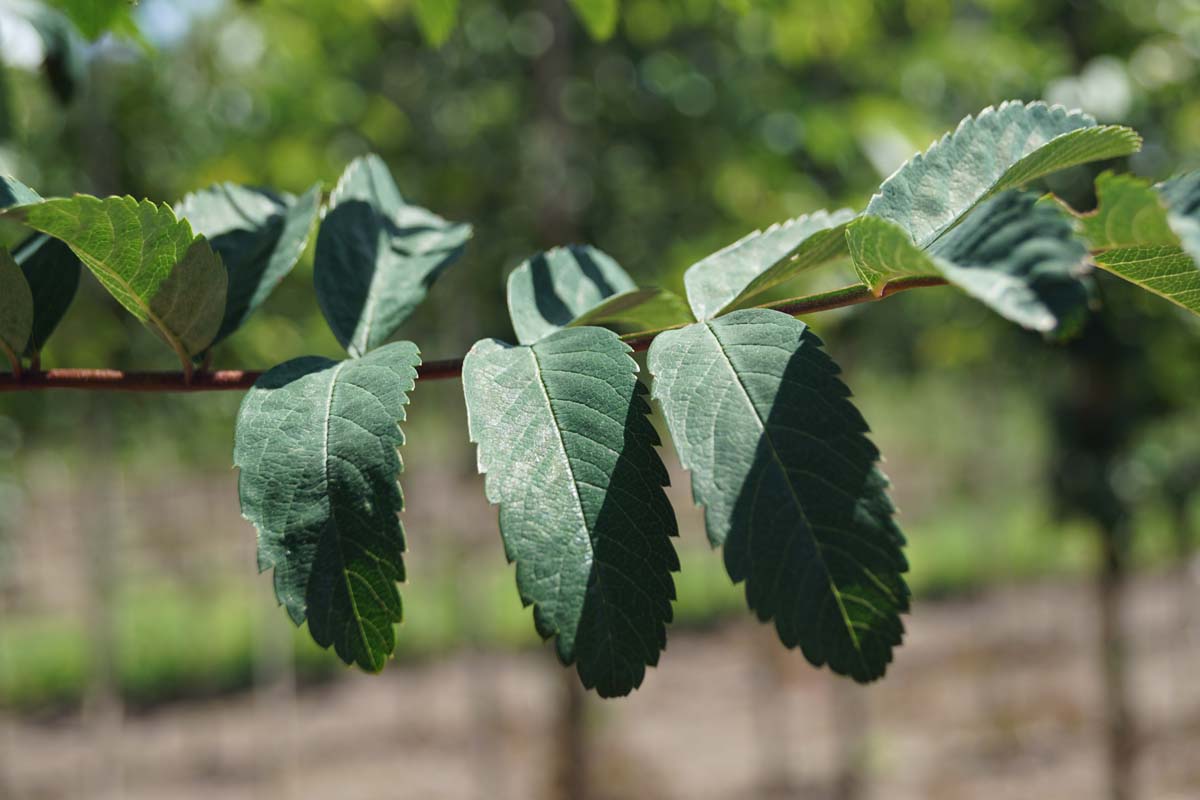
1149 235
733 276
436 19
638 311
1001 148
781 463
316 446
146 258
96 17
599 16
52 271
570 458
16 310
1016 255
1182 196
1129 213
377 256
581 285
259 235
15 193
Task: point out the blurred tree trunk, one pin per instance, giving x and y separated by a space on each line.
850 727
102 708
1106 399
1120 737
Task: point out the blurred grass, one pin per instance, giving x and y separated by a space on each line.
176 640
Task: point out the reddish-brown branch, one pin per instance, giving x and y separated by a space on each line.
228 380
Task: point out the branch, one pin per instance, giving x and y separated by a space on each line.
239 380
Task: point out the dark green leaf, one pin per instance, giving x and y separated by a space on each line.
781 463
146 258
1014 254
259 235
52 271
570 458
1001 148
732 277
581 285
16 311
316 446
377 256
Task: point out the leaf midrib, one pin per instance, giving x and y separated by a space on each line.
837 595
562 444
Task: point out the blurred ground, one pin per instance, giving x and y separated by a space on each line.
991 697
142 657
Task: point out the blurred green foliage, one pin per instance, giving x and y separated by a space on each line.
698 121
694 123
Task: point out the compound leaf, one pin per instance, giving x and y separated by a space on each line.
1000 148
734 275
377 256
1149 235
16 310
570 458
316 446
581 285
146 258
1016 255
781 463
598 16
52 271
259 235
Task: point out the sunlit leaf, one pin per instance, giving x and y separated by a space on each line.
570 458
15 193
146 258
998 149
1016 255
581 285
1149 235
781 463
735 275
377 256
260 235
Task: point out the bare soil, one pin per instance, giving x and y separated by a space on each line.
991 697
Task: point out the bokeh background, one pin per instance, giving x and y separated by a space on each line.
1048 489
